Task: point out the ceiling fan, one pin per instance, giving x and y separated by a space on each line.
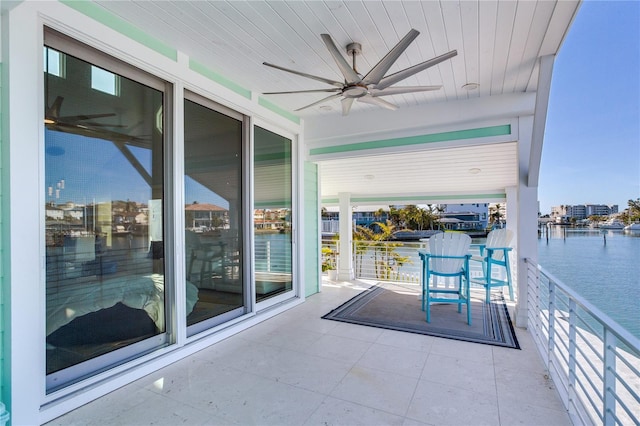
374 84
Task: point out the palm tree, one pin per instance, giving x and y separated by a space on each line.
361 236
496 215
634 209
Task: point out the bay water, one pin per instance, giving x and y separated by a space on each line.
603 266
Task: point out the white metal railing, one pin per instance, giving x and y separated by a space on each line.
396 261
330 226
594 362
387 260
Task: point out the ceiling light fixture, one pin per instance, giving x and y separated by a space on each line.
369 177
474 171
471 86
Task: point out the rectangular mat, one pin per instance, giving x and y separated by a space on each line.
395 307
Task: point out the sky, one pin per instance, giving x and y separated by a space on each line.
591 151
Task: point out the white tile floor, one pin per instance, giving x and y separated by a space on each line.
298 369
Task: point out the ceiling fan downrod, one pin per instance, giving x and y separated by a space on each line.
354 49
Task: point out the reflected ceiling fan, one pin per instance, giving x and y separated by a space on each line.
84 125
374 84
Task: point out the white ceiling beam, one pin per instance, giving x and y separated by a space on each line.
372 125
540 118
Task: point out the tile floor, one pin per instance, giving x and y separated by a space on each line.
298 369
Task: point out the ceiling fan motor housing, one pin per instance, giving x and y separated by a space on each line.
355 91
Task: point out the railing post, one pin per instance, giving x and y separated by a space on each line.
572 355
609 383
552 320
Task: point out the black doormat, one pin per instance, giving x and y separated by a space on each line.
397 307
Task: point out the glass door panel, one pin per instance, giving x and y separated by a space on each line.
272 214
213 216
104 195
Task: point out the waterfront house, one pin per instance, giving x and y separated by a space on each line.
154 101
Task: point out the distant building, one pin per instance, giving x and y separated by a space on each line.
473 216
582 211
361 216
267 219
203 216
601 209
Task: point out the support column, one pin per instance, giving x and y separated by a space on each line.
527 245
345 267
512 220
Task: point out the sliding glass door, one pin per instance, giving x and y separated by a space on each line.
213 213
107 167
272 216
103 214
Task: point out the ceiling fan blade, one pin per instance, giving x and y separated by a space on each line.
379 102
82 117
346 105
303 91
92 124
328 98
54 110
349 74
314 77
400 90
375 75
408 72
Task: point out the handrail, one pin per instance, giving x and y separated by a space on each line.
594 362
396 261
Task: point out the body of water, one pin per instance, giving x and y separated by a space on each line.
605 274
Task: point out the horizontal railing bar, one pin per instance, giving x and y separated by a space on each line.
617 419
593 349
593 385
594 406
593 367
627 387
598 315
633 369
590 328
624 407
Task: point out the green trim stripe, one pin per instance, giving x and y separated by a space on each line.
214 76
482 132
275 108
94 11
418 198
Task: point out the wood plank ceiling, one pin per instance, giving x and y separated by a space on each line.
498 45
497 42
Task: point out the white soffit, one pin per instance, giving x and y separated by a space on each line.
486 169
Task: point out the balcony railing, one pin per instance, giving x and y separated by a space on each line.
394 260
594 362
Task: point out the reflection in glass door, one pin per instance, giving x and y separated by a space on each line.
213 214
272 220
104 192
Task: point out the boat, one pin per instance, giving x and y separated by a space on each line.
412 235
634 227
612 224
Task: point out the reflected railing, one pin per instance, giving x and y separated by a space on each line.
594 362
273 256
